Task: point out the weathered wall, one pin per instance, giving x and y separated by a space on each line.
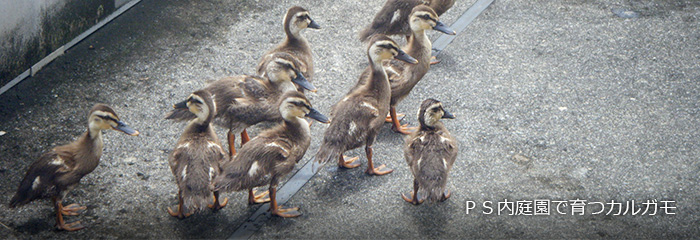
32 29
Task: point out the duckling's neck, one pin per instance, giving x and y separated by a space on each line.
284 86
419 46
298 123
94 132
293 34
378 76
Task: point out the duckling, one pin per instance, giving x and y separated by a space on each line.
403 77
296 20
247 100
430 153
359 115
271 155
58 171
197 158
393 18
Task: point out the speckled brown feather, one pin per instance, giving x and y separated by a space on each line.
383 24
424 151
296 46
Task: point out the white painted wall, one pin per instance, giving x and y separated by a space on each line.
25 16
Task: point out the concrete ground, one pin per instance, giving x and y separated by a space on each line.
557 100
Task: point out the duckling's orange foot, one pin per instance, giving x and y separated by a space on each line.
218 205
74 226
400 117
179 214
255 198
286 212
381 170
342 163
415 200
72 209
445 195
404 129
434 60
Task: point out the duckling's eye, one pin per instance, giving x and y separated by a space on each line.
426 17
195 101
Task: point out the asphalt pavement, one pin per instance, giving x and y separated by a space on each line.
582 103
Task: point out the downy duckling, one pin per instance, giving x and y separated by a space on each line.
296 20
272 154
246 100
359 115
403 77
393 18
58 171
197 158
430 153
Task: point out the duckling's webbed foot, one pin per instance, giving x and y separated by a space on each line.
403 129
286 212
371 170
72 209
342 163
260 197
179 214
434 60
400 116
279 210
217 205
73 226
396 126
60 223
415 198
445 195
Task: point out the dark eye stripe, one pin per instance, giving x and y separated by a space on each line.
108 118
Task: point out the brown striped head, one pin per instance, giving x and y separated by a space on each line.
103 117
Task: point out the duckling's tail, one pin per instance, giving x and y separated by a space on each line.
432 186
194 187
328 152
29 189
367 33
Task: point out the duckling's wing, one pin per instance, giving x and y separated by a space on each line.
449 148
413 148
395 70
46 177
391 19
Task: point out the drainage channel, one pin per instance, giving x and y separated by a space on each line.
286 192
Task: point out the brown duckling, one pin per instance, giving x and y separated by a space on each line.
58 171
359 115
430 153
403 77
197 158
393 18
296 20
272 154
246 100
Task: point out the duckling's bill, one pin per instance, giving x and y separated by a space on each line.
180 105
447 114
126 129
303 82
313 24
439 26
403 56
318 116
